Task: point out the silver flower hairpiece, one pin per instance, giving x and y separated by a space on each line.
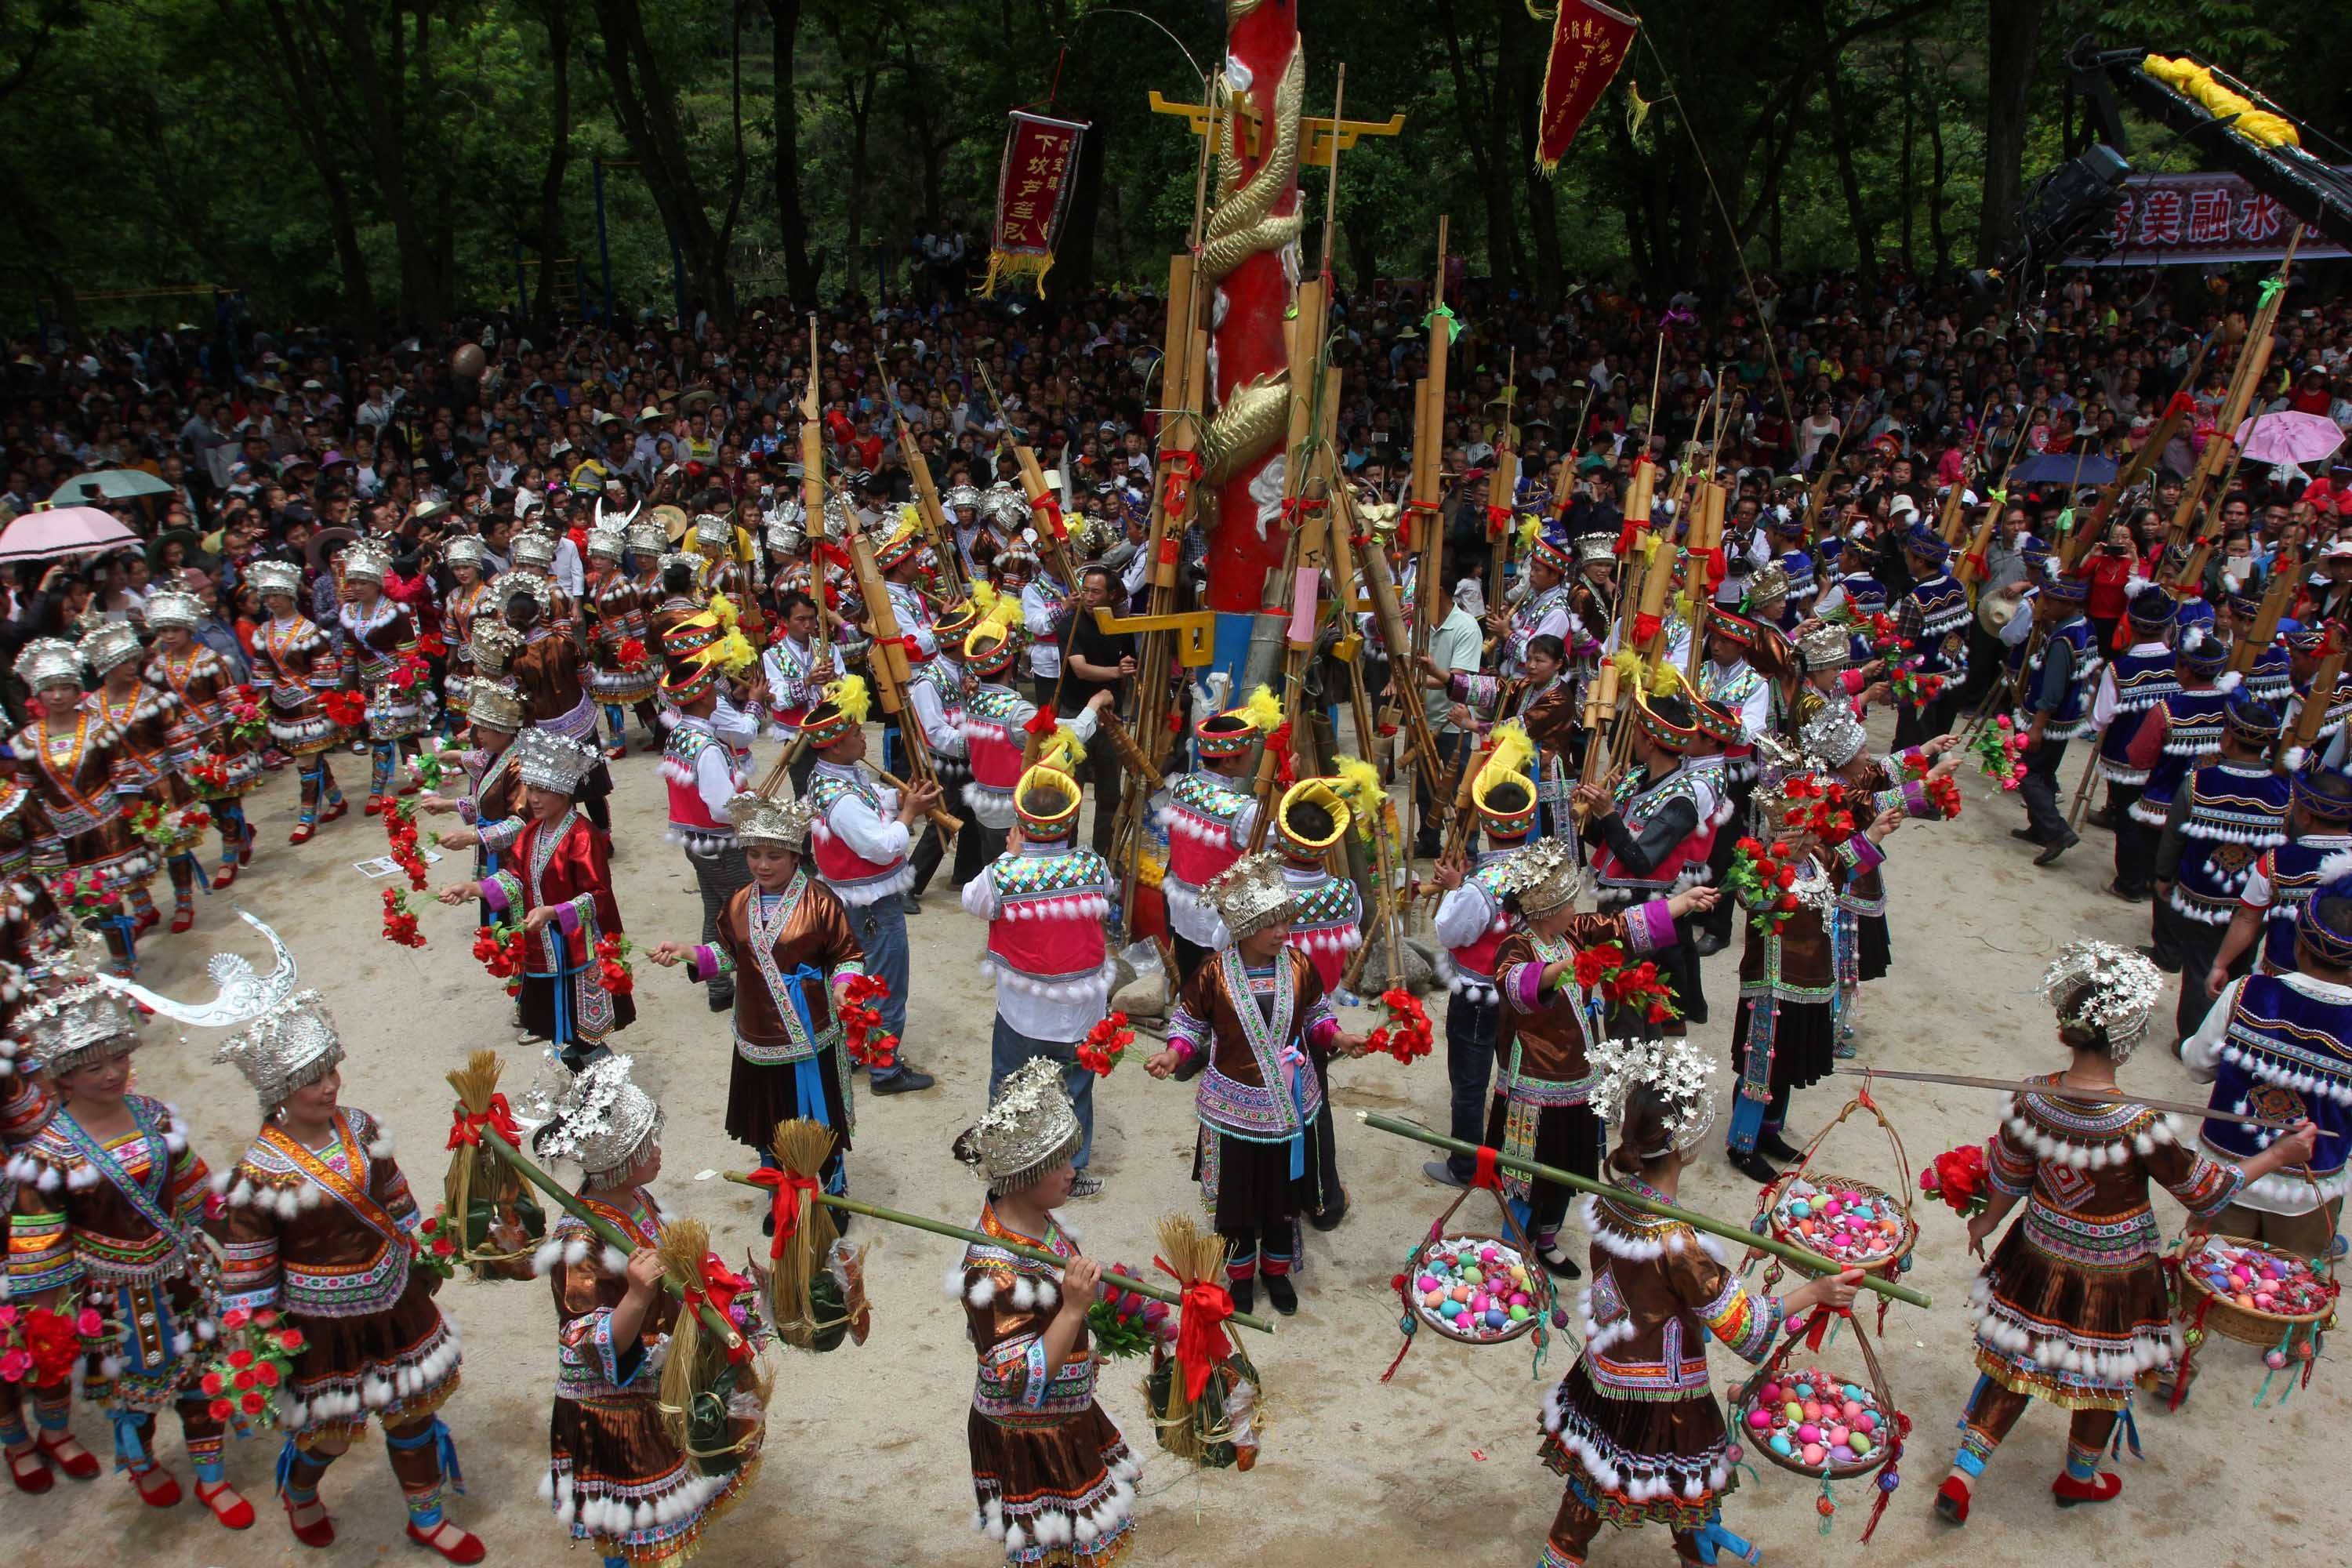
1681 1070
2124 990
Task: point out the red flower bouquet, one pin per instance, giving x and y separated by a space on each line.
1405 1033
399 924
345 710
505 951
861 1024
86 895
39 1346
1105 1046
1637 986
255 1356
613 971
167 830
1999 751
632 654
1760 879
246 722
435 1245
1961 1178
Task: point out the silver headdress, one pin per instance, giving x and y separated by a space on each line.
466 550
710 527
291 1047
497 705
532 551
601 1120
1767 583
1028 1131
1006 504
1833 737
1826 648
758 819
366 560
83 1023
647 537
960 496
784 534
1545 877
2122 995
175 607
49 661
545 760
608 540
241 992
1681 1070
507 585
108 644
617 520
693 562
270 577
492 643
1251 894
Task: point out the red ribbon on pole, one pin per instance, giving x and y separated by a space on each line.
784 1205
467 1129
720 1286
1286 765
1200 1331
1176 491
1498 522
1041 723
1047 507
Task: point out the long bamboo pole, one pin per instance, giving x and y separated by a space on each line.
1157 1291
1803 1257
2018 1086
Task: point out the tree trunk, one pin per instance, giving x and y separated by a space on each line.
1467 103
645 104
1362 233
1507 254
557 15
1937 238
1910 143
381 85
1074 255
801 272
2013 36
857 102
310 129
1866 233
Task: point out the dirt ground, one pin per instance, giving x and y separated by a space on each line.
865 1456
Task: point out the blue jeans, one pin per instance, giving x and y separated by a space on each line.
881 928
1470 1069
1008 1050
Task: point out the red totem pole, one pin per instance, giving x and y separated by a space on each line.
1249 255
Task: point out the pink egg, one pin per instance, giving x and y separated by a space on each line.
1812 1409
1867 1421
1849 1409
1770 1394
1814 1454
1760 1419
1427 1282
1838 1435
1521 1298
1808 1433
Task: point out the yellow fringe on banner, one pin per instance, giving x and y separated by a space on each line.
1003 264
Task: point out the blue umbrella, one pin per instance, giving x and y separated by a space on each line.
2063 469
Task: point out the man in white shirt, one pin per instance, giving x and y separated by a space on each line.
1454 646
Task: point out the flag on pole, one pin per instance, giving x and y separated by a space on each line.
1033 192
1589 43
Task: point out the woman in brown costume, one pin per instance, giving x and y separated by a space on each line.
1052 1479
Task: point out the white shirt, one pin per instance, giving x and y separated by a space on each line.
871 835
1039 600
715 779
567 572
1078 1005
1464 914
1756 708
945 736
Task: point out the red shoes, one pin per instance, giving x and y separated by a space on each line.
26 1468
226 877
302 832
319 1531
1952 1500
235 1513
156 1487
81 1464
334 809
466 1551
148 920
183 918
2071 1493
614 753
374 806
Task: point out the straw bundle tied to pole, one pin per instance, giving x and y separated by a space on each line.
1206 1400
478 1185
713 1403
815 1286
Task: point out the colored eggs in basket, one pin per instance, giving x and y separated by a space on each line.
2259 1279
1848 1225
1475 1287
1815 1421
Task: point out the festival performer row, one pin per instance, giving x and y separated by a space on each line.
786 939
1246 1024
705 763
2072 1306
1543 1087
387 667
34 938
160 747
2179 734
994 719
1633 1429
2285 878
493 810
1209 816
1653 831
316 1223
552 902
80 771
2223 815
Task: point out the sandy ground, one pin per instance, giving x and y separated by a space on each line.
866 1459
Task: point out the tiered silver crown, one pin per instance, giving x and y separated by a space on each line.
48 661
601 1120
366 560
1545 877
84 1022
270 577
291 1047
1833 737
108 644
466 550
758 819
647 537
1028 1131
1251 894
493 703
546 760
533 552
175 607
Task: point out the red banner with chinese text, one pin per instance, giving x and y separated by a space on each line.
1589 42
2204 220
1032 191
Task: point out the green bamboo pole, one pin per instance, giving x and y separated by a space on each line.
1803 1257
604 1229
1158 1292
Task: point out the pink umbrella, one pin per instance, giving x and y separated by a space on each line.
62 531
2288 438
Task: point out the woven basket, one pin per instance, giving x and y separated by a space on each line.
1892 1426
1767 1206
1433 1320
2248 1325
1794 1463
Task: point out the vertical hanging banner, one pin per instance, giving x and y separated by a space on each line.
1033 192
1589 42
